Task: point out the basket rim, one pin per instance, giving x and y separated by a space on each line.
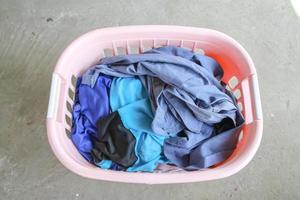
151 178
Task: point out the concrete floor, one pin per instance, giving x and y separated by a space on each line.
33 34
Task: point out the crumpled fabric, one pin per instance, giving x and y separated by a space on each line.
196 151
129 98
190 103
114 142
188 95
85 116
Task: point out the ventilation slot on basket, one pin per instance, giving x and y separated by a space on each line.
74 81
146 48
147 45
240 106
71 94
133 49
121 51
69 102
233 82
69 107
175 43
108 52
199 51
237 93
188 45
241 136
160 43
69 125
68 120
68 132
228 88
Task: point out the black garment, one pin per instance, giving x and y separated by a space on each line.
115 142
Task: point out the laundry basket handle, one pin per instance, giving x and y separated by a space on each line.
54 98
256 101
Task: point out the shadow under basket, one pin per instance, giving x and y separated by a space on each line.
87 50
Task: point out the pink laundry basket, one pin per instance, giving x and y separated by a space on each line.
84 52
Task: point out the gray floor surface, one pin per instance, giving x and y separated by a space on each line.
33 34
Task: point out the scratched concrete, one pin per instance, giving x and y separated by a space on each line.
33 34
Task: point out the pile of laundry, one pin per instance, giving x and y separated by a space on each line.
167 106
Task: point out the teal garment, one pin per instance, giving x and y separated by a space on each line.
105 164
130 99
125 91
